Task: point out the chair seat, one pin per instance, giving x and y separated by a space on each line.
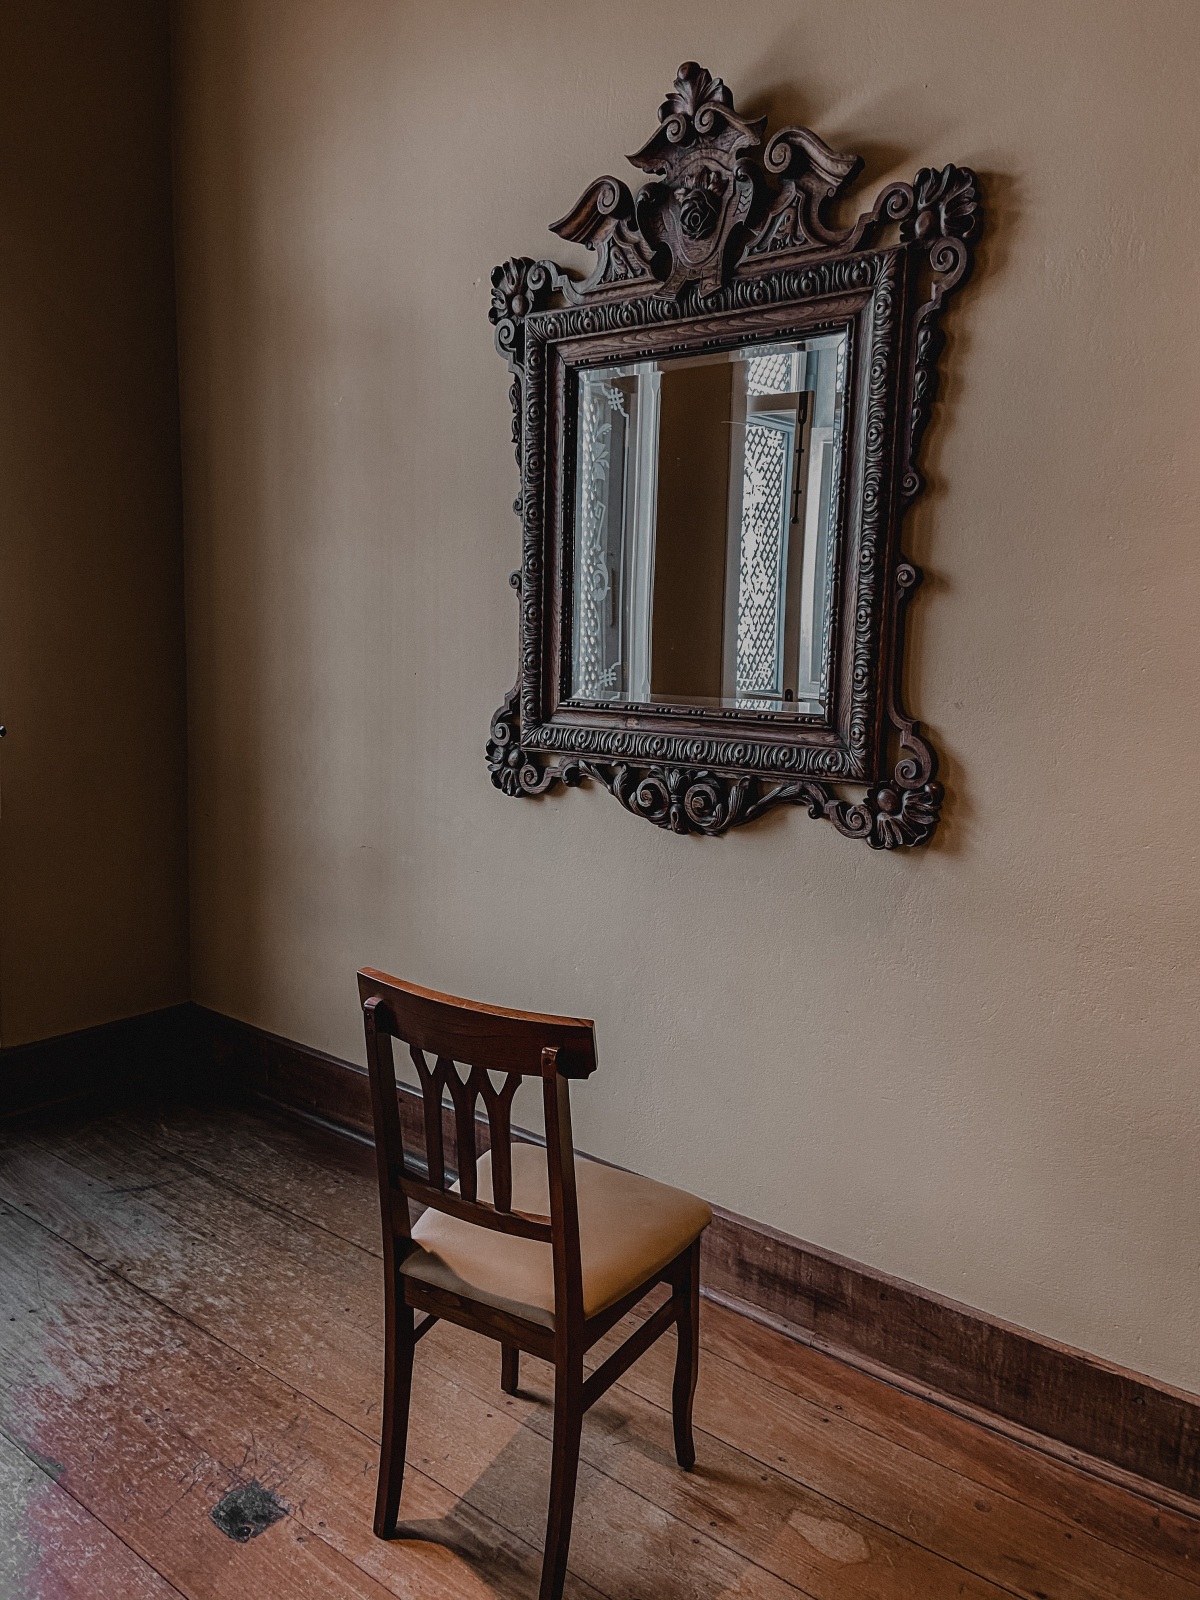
629 1229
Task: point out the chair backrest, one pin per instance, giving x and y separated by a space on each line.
483 1039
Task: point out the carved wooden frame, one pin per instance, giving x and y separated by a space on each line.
725 248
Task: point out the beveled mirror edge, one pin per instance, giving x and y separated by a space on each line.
756 236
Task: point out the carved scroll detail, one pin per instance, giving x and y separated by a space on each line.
602 219
947 214
812 175
519 286
696 800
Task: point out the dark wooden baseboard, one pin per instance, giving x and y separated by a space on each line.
1117 1423
97 1066
1107 1419
263 1065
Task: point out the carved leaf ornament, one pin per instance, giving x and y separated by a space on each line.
727 225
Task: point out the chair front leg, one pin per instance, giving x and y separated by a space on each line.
686 1296
399 1344
564 1471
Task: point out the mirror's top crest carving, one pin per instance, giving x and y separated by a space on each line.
697 120
721 198
699 107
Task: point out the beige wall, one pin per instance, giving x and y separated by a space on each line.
974 1066
93 858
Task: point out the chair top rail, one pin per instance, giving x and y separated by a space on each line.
492 1037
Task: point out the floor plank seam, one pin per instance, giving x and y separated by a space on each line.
18 1444
284 1213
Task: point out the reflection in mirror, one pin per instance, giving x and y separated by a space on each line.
706 502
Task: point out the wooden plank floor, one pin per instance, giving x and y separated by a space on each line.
190 1300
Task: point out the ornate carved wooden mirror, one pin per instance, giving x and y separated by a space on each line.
717 433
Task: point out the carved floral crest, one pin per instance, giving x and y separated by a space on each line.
727 223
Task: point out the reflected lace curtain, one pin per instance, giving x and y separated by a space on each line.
766 481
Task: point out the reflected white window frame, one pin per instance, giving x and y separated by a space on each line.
763 371
643 519
628 591
593 582
805 586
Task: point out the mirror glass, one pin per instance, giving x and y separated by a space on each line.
706 496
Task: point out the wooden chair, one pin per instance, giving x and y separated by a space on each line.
529 1247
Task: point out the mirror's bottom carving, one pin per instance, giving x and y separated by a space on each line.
693 800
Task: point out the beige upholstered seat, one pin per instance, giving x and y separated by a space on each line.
629 1229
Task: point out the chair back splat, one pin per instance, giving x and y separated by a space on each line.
485 1040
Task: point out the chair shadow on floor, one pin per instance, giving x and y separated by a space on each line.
625 1547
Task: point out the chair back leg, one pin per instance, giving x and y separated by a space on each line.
399 1344
510 1368
564 1471
687 1355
